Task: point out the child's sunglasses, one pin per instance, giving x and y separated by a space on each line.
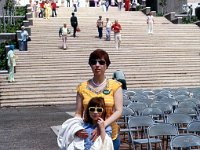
97 109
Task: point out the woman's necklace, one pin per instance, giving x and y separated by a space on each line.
98 85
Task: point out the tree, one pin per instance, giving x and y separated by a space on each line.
163 4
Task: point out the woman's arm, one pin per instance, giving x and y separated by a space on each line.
79 113
118 99
79 106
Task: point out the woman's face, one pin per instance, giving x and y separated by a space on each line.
95 113
98 66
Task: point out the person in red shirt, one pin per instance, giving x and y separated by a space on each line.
116 27
53 7
41 14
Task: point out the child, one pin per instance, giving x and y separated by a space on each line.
94 117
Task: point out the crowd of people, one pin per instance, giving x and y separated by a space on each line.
44 8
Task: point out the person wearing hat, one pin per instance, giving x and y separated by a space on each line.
11 63
23 43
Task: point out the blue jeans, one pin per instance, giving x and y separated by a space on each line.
23 46
100 30
116 143
108 30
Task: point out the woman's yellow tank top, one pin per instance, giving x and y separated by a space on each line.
108 95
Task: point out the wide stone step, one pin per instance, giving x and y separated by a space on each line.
48 75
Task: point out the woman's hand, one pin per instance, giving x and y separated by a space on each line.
82 134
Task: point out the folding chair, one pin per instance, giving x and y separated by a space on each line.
194 127
137 107
139 136
166 108
185 141
179 120
155 113
187 110
163 132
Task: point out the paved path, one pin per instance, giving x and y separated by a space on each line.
29 128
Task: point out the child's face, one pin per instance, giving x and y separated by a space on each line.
95 112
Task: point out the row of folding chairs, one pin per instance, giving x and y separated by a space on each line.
179 95
144 130
161 109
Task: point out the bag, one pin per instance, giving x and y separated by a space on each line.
29 39
78 29
68 31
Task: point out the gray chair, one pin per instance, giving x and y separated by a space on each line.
137 107
194 127
163 132
185 141
187 110
166 108
181 98
126 113
179 120
139 134
129 93
126 102
123 121
155 113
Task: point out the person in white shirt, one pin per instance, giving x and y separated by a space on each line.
23 42
150 22
108 29
11 63
63 33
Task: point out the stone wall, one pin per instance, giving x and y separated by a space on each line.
172 6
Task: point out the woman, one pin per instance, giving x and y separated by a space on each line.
11 63
100 86
150 22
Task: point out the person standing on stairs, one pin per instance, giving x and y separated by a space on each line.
100 86
11 63
23 42
74 23
116 27
63 33
108 29
150 22
100 27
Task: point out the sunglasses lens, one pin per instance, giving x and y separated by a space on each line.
93 61
101 62
99 109
92 109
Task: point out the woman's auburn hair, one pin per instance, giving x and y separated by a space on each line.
95 102
100 54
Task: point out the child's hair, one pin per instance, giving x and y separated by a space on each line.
95 102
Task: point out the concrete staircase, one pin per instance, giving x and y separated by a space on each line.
47 74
